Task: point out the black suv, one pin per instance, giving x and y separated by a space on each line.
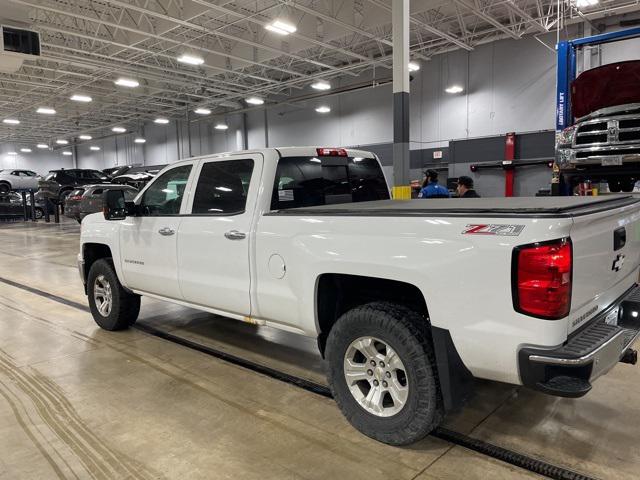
57 184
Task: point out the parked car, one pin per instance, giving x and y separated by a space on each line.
88 199
12 202
604 142
116 171
409 300
18 179
11 206
57 184
137 177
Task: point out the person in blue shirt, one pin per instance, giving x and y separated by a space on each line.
431 188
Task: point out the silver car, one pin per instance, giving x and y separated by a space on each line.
18 179
88 199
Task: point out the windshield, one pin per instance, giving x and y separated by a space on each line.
311 181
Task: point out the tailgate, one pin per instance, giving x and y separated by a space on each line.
606 255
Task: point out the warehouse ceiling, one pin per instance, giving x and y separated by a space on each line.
88 44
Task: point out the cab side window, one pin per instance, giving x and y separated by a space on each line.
222 187
166 193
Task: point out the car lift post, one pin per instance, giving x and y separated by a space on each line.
33 206
509 169
566 73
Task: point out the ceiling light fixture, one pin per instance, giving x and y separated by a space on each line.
46 111
414 67
280 27
127 82
81 98
202 111
67 152
454 89
161 121
190 59
11 121
118 129
323 109
139 140
321 85
94 148
586 3
12 153
62 142
254 101
42 145
221 126
25 150
85 137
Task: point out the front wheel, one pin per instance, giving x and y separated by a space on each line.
4 188
382 373
112 307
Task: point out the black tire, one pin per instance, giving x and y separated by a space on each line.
4 188
39 213
125 306
615 185
627 184
407 333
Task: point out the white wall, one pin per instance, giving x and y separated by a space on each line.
40 161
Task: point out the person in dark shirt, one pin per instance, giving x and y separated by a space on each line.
431 188
465 188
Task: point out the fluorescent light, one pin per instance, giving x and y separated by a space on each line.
42 145
323 109
280 27
139 140
321 85
202 111
62 142
94 148
161 121
11 121
118 129
67 152
254 101
586 3
25 150
127 82
414 67
81 98
12 153
190 59
454 89
46 111
85 137
221 126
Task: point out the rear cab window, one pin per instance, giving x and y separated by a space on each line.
313 181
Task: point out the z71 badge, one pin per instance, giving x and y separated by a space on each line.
493 229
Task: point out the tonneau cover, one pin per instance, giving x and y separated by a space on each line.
479 207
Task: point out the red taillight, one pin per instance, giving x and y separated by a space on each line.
331 152
542 279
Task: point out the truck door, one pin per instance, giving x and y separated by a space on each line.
214 239
148 241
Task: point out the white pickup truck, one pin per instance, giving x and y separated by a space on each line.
409 300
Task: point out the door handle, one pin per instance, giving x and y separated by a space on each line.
235 235
166 231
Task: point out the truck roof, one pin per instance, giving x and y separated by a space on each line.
284 152
527 207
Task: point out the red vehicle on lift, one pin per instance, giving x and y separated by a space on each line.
603 144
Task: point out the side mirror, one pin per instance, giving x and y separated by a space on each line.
113 205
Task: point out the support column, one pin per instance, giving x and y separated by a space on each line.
401 157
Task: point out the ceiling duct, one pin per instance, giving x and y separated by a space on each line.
16 44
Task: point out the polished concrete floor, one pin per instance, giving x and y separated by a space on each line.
77 402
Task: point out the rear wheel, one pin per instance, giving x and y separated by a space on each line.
382 373
39 213
5 188
112 307
614 185
627 184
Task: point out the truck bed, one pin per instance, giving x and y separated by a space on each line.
527 207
